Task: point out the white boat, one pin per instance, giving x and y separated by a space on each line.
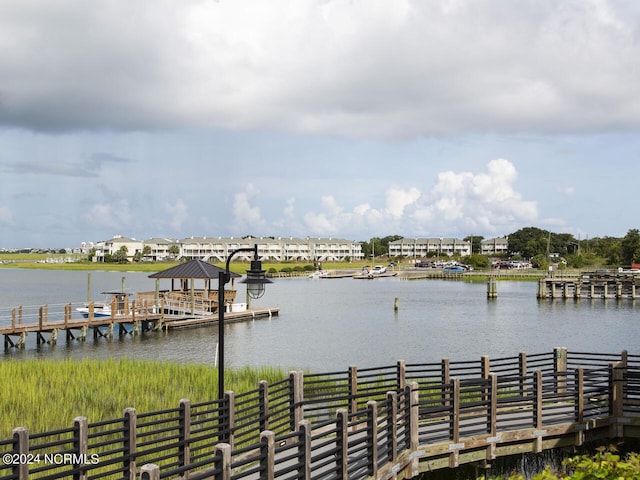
103 309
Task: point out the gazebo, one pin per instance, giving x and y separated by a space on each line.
190 298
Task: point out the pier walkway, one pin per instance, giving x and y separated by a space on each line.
49 321
384 423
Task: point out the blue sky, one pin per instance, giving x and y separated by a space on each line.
349 119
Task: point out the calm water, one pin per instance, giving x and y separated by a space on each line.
327 325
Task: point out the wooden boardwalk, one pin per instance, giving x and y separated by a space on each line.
385 423
49 321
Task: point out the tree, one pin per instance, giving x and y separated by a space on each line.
476 242
477 261
121 255
532 241
630 247
378 246
529 242
174 249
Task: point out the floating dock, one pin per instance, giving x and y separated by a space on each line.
599 284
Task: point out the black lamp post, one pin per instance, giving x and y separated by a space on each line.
256 280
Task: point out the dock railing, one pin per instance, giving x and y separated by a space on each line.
386 422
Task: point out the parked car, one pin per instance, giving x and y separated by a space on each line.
421 264
454 269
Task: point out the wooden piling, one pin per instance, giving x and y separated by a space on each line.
492 289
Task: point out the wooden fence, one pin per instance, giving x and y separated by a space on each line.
385 423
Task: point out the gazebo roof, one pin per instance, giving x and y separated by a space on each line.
192 269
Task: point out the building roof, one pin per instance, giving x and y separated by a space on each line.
192 269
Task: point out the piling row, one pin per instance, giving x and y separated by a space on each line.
591 286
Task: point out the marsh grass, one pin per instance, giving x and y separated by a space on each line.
44 395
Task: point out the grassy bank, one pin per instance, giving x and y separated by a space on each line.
46 262
44 395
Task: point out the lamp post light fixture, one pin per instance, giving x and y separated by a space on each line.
256 280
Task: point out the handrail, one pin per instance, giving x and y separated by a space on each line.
330 427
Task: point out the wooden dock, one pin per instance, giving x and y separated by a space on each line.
49 321
592 285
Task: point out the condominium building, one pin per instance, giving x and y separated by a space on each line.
422 247
118 242
218 249
494 246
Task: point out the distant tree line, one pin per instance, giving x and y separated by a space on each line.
537 245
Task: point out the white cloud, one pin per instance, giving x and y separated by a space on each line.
6 217
116 216
398 199
567 191
459 202
378 69
178 214
247 218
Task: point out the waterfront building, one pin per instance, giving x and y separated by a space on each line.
159 248
494 246
217 249
423 247
109 247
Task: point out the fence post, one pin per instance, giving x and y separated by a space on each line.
445 372
150 471
454 422
296 399
392 426
372 438
342 444
184 450
81 444
616 399
412 394
537 410
353 388
578 396
228 427
492 417
414 415
223 450
263 399
522 366
401 375
559 367
129 443
304 450
454 415
21 447
485 366
267 455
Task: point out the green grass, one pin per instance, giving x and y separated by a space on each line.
44 395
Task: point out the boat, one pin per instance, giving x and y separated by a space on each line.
103 309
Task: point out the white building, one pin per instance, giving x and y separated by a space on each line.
423 247
217 249
494 246
109 247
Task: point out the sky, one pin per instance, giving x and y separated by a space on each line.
325 118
